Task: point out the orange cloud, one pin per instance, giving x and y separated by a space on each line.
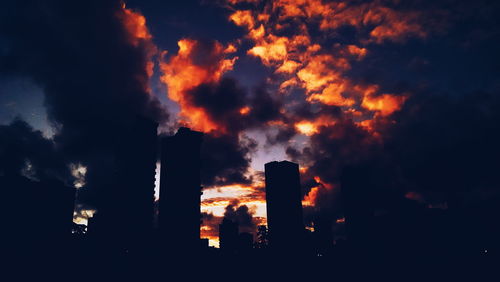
138 35
385 104
386 23
245 110
279 34
288 66
216 199
243 18
359 52
333 95
271 51
135 24
315 192
321 72
310 198
194 65
311 127
396 26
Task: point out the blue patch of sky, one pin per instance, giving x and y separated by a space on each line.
21 98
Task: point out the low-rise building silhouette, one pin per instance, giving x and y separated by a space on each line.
231 241
38 214
245 242
228 235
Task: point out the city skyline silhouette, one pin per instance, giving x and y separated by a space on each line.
231 138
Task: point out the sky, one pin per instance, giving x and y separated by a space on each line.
407 88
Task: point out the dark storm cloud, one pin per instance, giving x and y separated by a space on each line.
226 159
227 156
93 74
241 215
459 55
441 148
282 135
296 112
265 106
441 144
24 150
335 146
444 143
223 101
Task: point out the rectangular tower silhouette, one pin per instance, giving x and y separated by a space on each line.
357 188
180 190
126 211
136 164
228 235
284 206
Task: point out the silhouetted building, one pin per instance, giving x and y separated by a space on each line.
323 234
38 214
358 196
262 237
126 211
228 235
180 190
245 242
57 202
284 206
231 241
204 243
94 225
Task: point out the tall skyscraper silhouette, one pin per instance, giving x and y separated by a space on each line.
125 217
357 188
180 190
284 206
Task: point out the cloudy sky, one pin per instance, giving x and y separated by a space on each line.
409 88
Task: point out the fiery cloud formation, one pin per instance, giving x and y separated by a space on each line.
216 199
376 18
138 35
281 37
312 126
135 24
334 105
196 63
280 33
386 104
317 191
